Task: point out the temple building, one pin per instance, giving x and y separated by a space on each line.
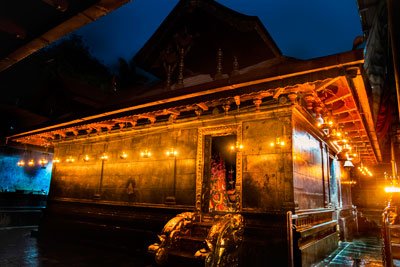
242 153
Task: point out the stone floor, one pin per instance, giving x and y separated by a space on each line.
18 248
361 252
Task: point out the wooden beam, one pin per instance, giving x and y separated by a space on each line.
203 106
323 85
278 92
337 99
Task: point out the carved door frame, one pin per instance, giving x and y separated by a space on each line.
216 131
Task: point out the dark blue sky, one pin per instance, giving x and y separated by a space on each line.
301 29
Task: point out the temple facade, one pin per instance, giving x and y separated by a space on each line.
232 128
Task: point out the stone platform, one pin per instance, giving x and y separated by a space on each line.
19 248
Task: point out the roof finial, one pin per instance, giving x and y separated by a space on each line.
218 75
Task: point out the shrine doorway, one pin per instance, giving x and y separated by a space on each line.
219 169
219 178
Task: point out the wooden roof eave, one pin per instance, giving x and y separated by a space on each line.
186 94
357 84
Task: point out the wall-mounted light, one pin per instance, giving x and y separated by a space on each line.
236 148
104 156
147 153
279 142
21 163
86 158
171 152
392 189
56 160
123 155
70 160
43 162
31 163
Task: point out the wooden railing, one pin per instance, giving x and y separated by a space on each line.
308 219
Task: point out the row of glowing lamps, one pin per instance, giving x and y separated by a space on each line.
31 163
235 148
394 184
144 154
393 188
332 131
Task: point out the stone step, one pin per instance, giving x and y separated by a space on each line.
201 229
191 243
182 253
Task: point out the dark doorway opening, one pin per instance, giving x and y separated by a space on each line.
219 174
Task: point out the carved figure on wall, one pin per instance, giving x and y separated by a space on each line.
130 190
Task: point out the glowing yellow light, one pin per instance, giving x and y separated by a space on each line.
272 144
349 182
392 189
104 157
278 142
21 163
236 148
43 162
147 154
123 155
31 162
171 152
86 158
56 160
70 160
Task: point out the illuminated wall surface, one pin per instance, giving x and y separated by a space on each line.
307 170
13 177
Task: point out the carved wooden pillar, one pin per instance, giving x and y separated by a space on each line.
257 102
198 112
227 106
309 99
237 102
292 97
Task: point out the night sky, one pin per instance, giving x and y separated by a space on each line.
301 29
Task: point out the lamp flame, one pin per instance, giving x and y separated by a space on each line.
392 189
147 154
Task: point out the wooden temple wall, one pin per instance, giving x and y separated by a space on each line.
266 170
274 180
148 180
